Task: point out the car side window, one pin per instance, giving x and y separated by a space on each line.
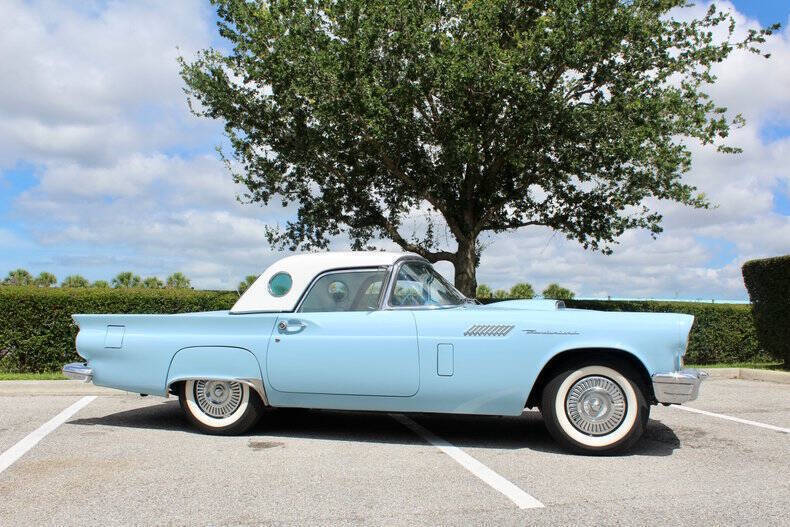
345 291
419 284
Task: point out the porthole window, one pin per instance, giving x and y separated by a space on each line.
280 284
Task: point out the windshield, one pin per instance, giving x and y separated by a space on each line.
418 284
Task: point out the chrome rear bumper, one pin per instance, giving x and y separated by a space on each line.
678 386
78 370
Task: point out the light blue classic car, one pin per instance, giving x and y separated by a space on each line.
383 331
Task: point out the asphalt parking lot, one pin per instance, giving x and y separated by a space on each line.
123 459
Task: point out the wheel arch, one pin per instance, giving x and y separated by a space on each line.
575 355
225 363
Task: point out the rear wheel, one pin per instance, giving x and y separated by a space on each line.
595 408
220 407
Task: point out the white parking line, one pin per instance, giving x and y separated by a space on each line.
736 419
494 480
8 457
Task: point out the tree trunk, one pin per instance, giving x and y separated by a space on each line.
466 268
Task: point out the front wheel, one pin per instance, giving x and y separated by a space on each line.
595 408
220 407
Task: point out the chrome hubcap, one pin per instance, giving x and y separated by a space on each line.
218 398
595 405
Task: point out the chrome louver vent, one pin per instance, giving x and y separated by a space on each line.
487 330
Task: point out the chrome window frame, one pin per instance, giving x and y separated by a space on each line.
386 302
385 268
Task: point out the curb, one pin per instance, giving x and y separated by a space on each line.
749 374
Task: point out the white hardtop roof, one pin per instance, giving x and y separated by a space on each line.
303 268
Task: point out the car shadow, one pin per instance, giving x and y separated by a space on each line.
525 431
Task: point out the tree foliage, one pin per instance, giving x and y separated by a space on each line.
556 292
483 291
246 283
45 279
488 115
101 284
522 290
153 282
18 277
75 280
126 279
178 280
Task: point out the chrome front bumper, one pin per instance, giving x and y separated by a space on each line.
78 370
678 386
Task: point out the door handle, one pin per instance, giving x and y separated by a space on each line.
291 326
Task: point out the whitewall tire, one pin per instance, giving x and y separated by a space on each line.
595 408
219 406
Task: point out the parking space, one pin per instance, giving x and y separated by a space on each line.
127 459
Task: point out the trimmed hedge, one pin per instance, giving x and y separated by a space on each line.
37 334
768 283
722 333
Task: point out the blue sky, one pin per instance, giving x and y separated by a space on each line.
103 169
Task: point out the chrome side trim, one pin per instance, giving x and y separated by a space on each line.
677 387
488 330
255 384
78 370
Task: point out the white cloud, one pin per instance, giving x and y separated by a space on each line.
126 177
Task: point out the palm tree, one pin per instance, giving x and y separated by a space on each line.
483 291
18 277
45 279
153 282
126 279
556 292
75 280
178 280
522 290
246 283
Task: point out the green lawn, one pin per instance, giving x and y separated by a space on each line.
48 376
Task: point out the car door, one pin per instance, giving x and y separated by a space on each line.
339 342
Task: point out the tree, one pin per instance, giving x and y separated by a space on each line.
477 116
246 283
18 277
126 279
153 282
556 292
483 291
501 293
101 284
75 280
45 279
178 280
522 290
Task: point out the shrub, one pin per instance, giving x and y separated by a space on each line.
36 330
721 332
768 283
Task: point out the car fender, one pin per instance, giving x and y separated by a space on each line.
225 363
